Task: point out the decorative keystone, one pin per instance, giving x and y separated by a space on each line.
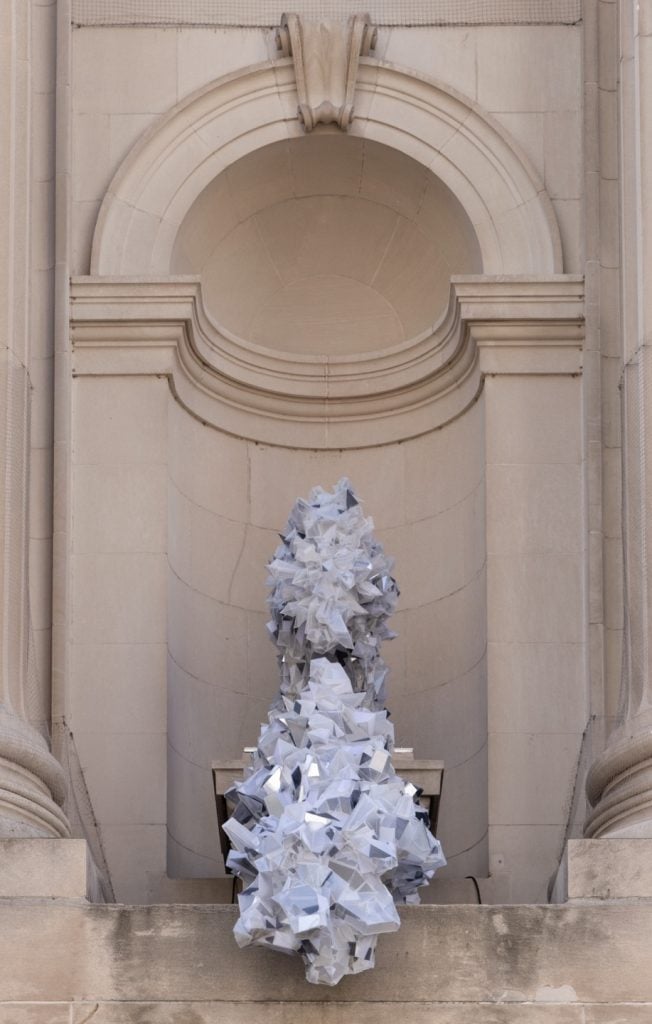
326 56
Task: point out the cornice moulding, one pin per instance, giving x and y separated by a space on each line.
126 326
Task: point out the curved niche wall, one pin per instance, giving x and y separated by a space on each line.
320 244
327 243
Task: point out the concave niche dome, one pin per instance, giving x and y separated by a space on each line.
326 244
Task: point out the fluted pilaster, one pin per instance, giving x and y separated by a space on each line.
32 785
619 784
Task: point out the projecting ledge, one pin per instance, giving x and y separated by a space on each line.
525 955
493 325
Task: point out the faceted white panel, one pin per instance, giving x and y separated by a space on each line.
325 836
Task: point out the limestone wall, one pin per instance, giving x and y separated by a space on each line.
476 486
528 77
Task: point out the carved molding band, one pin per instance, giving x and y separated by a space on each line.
493 325
326 57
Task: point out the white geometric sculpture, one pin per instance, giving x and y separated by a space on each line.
326 837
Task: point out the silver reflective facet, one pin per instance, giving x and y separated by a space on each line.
326 837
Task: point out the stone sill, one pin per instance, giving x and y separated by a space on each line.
59 951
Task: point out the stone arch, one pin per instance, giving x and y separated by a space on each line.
166 171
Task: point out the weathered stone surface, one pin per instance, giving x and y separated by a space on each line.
618 1014
318 1013
609 869
56 868
35 1013
592 954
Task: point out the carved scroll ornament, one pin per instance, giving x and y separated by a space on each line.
326 55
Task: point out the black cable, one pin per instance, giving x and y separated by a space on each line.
477 887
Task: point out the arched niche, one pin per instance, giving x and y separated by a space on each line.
254 421
326 244
161 178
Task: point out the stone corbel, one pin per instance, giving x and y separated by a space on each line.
326 56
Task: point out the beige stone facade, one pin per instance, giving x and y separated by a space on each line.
241 256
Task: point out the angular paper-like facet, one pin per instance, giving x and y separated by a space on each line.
326 837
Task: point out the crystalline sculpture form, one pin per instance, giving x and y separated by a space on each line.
326 837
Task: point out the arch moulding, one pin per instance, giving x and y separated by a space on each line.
161 177
131 316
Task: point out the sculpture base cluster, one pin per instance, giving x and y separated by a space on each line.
326 837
